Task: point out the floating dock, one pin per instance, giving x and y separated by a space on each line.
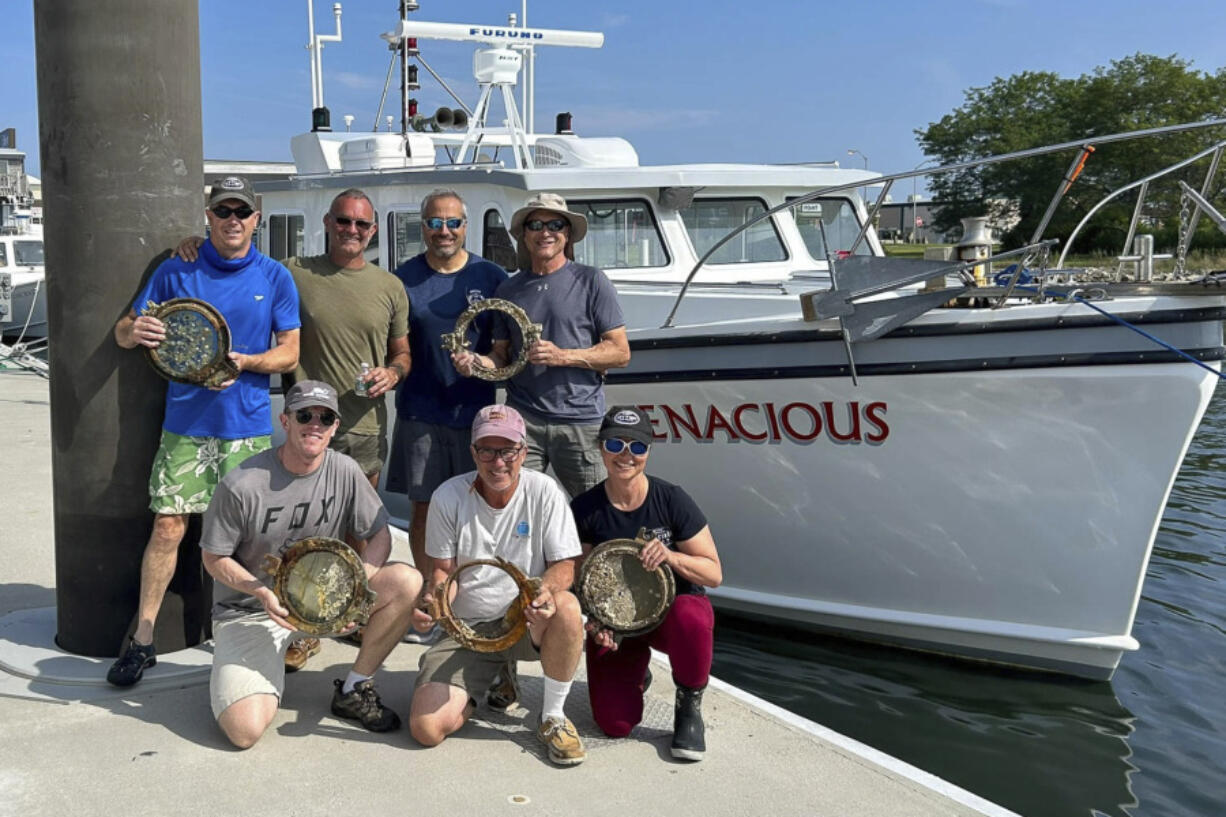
72 745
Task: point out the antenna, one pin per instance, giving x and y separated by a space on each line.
496 66
320 118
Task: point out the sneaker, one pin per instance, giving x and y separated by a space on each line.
363 704
298 653
565 748
689 741
428 637
505 690
130 666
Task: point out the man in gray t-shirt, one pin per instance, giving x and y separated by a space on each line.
299 490
561 392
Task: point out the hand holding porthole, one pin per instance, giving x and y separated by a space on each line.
196 348
621 595
530 333
322 583
487 636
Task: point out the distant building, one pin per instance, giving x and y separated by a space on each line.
908 222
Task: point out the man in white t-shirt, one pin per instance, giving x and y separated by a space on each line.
524 517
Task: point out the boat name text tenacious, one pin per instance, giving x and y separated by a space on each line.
798 422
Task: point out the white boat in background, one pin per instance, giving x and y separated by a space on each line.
981 477
23 292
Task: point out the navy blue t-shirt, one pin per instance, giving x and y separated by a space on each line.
257 297
668 513
434 392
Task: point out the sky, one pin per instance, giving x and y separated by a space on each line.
684 81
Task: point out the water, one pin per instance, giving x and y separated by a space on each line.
1150 743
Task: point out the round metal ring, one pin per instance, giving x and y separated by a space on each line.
619 593
457 341
322 583
196 348
513 623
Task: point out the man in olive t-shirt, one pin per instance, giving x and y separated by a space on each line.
353 312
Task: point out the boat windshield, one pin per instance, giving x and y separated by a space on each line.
840 222
709 220
621 234
28 253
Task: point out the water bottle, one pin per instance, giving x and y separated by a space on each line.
359 385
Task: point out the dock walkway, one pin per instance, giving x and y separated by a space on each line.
71 745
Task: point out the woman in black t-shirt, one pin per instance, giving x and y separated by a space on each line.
627 501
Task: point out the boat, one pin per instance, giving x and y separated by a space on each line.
23 292
919 452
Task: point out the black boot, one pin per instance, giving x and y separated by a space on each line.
688 730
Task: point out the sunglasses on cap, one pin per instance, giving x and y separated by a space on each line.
223 212
555 225
345 221
505 454
326 417
436 223
616 446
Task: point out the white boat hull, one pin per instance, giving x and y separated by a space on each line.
29 312
999 503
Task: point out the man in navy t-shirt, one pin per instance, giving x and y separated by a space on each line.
436 405
208 431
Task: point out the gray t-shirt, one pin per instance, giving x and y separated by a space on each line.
260 508
575 306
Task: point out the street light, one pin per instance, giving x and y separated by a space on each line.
915 200
853 152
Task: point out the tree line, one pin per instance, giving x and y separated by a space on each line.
1036 108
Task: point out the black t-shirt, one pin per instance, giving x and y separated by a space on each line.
667 513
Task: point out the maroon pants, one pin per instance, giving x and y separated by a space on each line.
615 677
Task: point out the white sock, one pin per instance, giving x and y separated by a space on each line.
555 699
353 678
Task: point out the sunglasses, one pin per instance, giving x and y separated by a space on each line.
326 417
616 446
436 223
223 212
489 454
555 225
345 221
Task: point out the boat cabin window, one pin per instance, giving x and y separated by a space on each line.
838 217
286 235
496 243
621 234
404 227
709 220
28 253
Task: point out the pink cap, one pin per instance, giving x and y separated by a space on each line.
498 421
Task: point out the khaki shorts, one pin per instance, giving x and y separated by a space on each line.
370 450
248 659
449 663
572 450
187 469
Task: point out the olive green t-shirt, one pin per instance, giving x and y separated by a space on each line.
348 315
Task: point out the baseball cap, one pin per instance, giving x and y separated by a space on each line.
627 423
498 420
307 393
231 187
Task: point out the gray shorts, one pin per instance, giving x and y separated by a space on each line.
571 450
248 659
370 450
448 663
425 455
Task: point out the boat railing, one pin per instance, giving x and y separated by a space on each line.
1084 146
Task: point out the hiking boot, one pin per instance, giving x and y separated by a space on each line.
298 653
130 666
565 748
363 704
689 742
505 690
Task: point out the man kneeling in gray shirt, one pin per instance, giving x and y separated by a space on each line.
272 500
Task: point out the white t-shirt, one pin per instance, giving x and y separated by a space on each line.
536 527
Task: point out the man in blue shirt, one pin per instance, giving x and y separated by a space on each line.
207 432
436 405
